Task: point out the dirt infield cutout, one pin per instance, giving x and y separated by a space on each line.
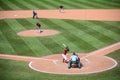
74 14
35 33
93 62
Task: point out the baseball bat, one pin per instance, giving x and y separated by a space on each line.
64 45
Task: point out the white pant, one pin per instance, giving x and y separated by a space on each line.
64 56
39 30
61 10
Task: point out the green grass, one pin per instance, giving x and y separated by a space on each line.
54 4
76 34
18 70
80 36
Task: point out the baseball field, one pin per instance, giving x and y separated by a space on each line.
86 26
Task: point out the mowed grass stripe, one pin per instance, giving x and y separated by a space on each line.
22 6
81 34
88 3
1 9
115 1
56 3
109 3
51 3
21 45
28 4
61 39
4 6
48 24
42 3
113 28
48 49
65 40
102 30
85 4
90 31
26 24
37 4
53 46
75 5
75 32
94 4
108 32
57 39
66 5
72 38
34 44
11 5
5 46
116 24
48 42
13 39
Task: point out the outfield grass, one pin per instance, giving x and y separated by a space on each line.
81 36
54 4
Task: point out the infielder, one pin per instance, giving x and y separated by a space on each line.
35 14
61 9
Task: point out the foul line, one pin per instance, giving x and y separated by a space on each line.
105 50
98 52
115 64
112 48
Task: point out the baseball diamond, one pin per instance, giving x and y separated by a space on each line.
90 28
92 63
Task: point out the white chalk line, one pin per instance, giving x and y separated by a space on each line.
55 61
115 64
85 57
87 60
15 15
99 50
103 49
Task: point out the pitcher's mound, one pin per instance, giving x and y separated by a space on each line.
92 64
35 33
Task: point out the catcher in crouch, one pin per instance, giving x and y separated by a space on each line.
64 55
